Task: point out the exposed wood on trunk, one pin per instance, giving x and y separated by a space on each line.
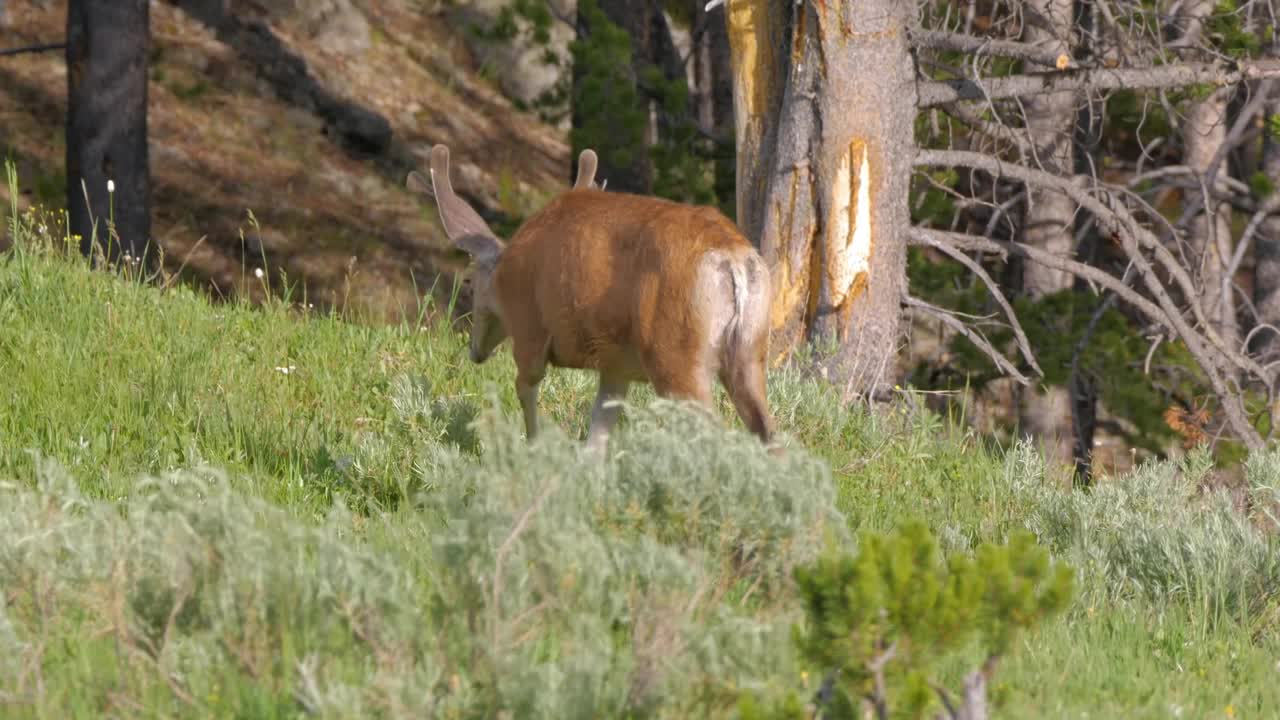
825 94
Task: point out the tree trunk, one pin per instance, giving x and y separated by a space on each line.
107 46
825 94
1045 413
1203 133
714 80
1266 270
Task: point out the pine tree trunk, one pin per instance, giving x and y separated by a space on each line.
825 95
107 47
1045 413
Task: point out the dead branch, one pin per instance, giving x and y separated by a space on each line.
971 115
926 236
28 49
879 695
1116 219
1269 207
941 40
964 329
1145 78
1024 345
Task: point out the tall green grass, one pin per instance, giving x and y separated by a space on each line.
257 511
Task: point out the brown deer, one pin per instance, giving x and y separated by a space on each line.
638 289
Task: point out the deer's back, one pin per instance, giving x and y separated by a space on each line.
609 277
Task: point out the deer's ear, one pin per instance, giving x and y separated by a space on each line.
459 218
483 249
587 162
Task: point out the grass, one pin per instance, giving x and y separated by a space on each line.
228 510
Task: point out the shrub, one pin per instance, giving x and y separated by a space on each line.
535 580
879 622
1153 532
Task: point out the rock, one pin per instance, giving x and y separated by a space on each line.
337 24
521 72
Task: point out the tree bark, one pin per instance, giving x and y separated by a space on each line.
1203 134
826 103
1266 272
107 47
1045 412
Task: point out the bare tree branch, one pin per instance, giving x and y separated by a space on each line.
1145 78
1163 312
972 116
43 47
1269 207
1024 345
1118 220
950 320
940 40
926 236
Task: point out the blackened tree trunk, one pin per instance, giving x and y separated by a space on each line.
713 71
107 47
825 98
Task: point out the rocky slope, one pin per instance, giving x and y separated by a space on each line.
281 133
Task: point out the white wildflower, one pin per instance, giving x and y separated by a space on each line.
286 370
257 272
111 186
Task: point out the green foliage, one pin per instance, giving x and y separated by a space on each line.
1261 185
607 99
881 620
680 166
533 580
1152 534
1226 27
1134 117
530 21
931 204
610 100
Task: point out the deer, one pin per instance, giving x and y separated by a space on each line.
638 289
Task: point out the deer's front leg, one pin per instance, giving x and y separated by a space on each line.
527 391
531 366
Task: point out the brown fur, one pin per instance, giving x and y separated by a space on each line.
637 288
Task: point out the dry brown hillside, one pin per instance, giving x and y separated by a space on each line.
237 126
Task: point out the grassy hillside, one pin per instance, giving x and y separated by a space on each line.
263 511
224 143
